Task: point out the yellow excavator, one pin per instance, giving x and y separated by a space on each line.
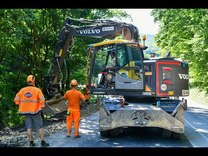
57 76
136 91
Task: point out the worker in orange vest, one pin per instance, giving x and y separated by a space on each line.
74 98
31 100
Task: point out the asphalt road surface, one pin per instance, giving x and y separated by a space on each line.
132 137
195 135
196 124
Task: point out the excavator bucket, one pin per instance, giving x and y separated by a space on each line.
55 105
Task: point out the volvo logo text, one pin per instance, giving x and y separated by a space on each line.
89 31
183 76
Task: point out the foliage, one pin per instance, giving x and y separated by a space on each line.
199 96
184 32
28 38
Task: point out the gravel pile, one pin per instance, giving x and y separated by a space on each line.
17 136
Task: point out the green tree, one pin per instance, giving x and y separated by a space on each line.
184 32
28 39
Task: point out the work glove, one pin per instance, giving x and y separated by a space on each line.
68 112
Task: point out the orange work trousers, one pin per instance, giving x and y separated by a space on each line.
74 116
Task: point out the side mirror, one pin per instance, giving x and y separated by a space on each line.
144 37
144 47
168 54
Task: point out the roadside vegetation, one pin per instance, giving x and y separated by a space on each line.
28 38
184 33
199 96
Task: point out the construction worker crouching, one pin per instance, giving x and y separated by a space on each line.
74 98
31 100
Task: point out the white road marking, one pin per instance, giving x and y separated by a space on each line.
197 141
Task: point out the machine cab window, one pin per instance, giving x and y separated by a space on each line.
118 66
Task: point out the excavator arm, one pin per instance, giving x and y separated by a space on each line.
106 29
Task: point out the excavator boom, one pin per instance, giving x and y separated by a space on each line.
136 91
107 29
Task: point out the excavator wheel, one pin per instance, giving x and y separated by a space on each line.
113 132
104 133
178 136
116 132
173 135
166 133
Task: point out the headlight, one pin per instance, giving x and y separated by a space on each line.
163 87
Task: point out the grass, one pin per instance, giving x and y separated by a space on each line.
199 96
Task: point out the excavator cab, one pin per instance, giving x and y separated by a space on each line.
109 76
117 67
106 75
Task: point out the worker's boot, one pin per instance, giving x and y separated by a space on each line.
77 136
76 133
44 144
68 132
32 144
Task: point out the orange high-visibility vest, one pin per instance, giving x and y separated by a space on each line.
30 100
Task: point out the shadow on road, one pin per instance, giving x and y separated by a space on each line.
150 137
